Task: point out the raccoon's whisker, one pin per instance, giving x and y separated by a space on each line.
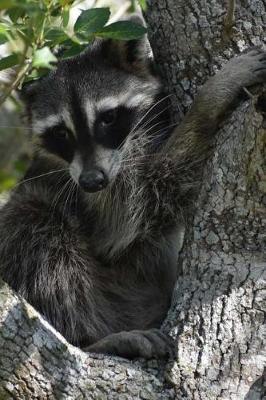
74 192
40 176
55 200
68 185
126 165
138 158
151 119
131 162
76 200
69 197
136 134
130 137
57 197
139 134
149 110
144 140
140 140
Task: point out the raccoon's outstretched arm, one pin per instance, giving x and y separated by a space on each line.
192 138
173 179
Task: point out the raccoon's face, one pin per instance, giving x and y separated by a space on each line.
87 110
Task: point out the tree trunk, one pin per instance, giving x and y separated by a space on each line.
218 310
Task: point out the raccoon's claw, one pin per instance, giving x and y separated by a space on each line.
163 344
249 68
146 344
260 59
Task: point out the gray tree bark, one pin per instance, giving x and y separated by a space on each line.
217 317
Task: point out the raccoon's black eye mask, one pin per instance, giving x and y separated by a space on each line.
113 126
59 140
108 117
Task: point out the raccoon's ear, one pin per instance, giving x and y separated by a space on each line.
134 56
28 91
138 50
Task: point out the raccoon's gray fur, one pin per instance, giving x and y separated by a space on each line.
90 236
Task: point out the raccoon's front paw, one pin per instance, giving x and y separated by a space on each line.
249 68
146 344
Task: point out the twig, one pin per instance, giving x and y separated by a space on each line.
230 16
250 95
23 69
18 78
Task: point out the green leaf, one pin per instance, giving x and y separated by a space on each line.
65 17
3 38
25 33
37 23
3 33
91 21
73 51
9 61
36 74
4 27
143 4
123 30
56 36
43 58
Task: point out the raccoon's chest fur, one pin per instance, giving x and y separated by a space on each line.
88 276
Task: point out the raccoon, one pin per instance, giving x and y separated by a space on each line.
89 237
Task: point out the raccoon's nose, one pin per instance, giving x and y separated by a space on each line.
93 180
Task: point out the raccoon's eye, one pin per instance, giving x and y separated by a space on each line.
108 117
61 133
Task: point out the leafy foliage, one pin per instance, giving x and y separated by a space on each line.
34 30
9 177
